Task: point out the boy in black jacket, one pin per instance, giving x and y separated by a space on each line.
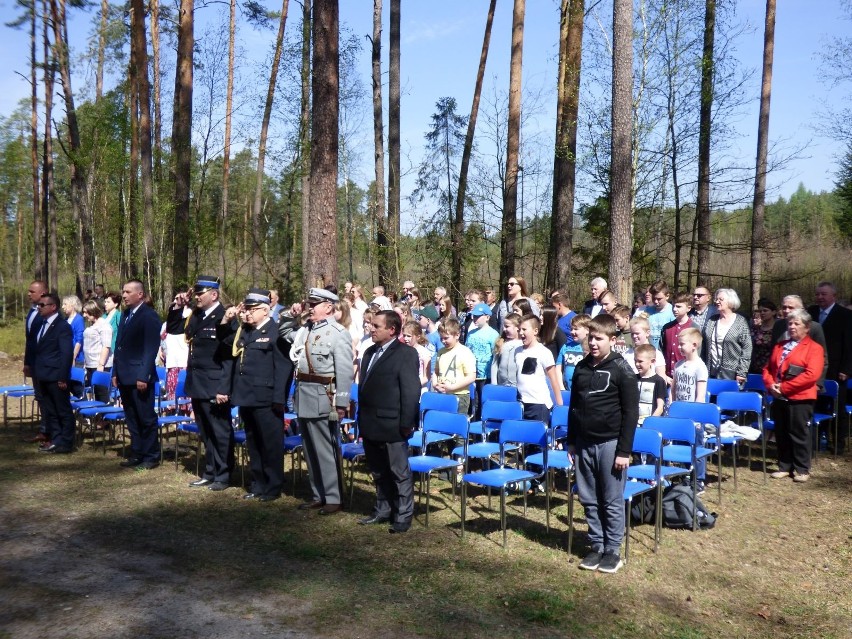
604 412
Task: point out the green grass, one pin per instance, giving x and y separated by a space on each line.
12 340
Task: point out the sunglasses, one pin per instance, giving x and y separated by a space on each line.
43 304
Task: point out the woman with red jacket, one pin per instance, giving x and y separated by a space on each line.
791 378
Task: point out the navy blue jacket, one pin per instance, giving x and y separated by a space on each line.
136 347
50 358
261 368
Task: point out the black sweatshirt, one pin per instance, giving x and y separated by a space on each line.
604 403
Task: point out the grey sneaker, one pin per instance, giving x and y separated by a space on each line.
591 561
610 563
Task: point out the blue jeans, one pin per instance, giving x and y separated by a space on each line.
601 491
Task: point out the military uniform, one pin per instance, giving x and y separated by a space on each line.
208 371
324 374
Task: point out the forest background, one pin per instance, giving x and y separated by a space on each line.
196 140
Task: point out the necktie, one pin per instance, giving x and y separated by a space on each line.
822 316
373 360
41 332
127 319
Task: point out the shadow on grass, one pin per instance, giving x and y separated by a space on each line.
145 544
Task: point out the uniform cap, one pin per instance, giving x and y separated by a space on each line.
320 295
205 283
256 297
382 303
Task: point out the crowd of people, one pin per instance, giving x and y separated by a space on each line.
621 363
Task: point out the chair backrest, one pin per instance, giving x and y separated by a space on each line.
740 401
102 378
831 389
648 441
161 374
495 392
566 397
445 422
444 402
180 386
676 429
353 392
697 412
497 411
79 375
559 416
716 386
524 431
754 382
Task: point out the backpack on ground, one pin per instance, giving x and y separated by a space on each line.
679 502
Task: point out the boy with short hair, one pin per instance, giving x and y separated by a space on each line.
604 413
623 341
668 337
428 317
690 385
652 387
481 339
575 349
659 313
640 332
455 365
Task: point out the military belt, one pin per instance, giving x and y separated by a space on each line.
313 379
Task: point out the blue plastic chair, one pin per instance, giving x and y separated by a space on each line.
687 452
716 386
448 425
498 393
494 413
20 391
707 414
429 401
513 433
557 459
754 382
739 403
828 398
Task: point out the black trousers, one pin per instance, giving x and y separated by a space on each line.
141 422
793 434
57 415
265 443
388 464
214 428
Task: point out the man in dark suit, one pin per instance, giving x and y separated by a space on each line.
259 374
208 378
593 306
388 405
49 355
836 323
31 325
134 373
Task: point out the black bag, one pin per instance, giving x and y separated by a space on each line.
643 508
679 502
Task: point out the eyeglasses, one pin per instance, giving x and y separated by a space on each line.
43 304
513 284
252 309
700 294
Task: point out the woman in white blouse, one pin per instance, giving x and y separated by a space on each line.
97 346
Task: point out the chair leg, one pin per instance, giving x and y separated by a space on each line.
428 483
463 506
503 511
734 457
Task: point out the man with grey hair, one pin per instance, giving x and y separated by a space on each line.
836 322
593 306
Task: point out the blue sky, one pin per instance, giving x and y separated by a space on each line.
440 52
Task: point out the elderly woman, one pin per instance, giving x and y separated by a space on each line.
727 339
791 378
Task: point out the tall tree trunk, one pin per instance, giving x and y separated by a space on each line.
385 258
322 234
139 43
157 81
758 229
182 141
561 249
39 244
257 244
394 154
99 69
48 204
467 151
702 206
226 159
621 173
513 144
132 225
304 129
84 275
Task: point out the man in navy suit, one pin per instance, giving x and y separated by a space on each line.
388 405
49 355
31 326
836 323
134 373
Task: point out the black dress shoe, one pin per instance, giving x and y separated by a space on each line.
311 505
398 529
148 465
130 463
53 449
373 519
216 486
268 497
198 483
248 496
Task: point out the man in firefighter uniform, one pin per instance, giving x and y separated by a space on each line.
324 376
208 377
